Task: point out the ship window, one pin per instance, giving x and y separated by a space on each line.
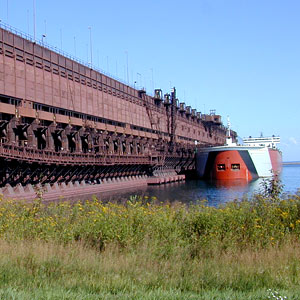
221 167
235 167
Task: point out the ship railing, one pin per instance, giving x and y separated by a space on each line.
69 158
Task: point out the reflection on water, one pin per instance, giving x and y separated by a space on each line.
191 191
231 183
215 192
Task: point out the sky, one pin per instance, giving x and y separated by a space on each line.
241 58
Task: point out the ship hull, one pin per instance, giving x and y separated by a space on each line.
238 163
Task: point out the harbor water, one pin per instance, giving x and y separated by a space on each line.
216 193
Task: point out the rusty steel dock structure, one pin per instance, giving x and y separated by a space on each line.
64 123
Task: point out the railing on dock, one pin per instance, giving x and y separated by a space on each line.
74 158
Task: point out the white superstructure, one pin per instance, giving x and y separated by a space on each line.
269 142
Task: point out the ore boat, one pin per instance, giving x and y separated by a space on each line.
257 157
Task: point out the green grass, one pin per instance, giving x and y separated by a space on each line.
149 250
39 270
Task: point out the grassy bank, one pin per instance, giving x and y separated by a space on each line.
39 270
148 250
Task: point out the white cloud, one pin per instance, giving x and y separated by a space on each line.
293 140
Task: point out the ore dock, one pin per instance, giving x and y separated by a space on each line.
72 129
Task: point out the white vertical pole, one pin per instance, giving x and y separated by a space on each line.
28 22
152 80
90 28
60 39
127 66
75 46
34 20
45 29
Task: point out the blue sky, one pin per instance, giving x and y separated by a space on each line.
241 58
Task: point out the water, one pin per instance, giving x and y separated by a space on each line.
215 193
290 177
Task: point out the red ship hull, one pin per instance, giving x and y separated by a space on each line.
230 165
276 160
238 163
